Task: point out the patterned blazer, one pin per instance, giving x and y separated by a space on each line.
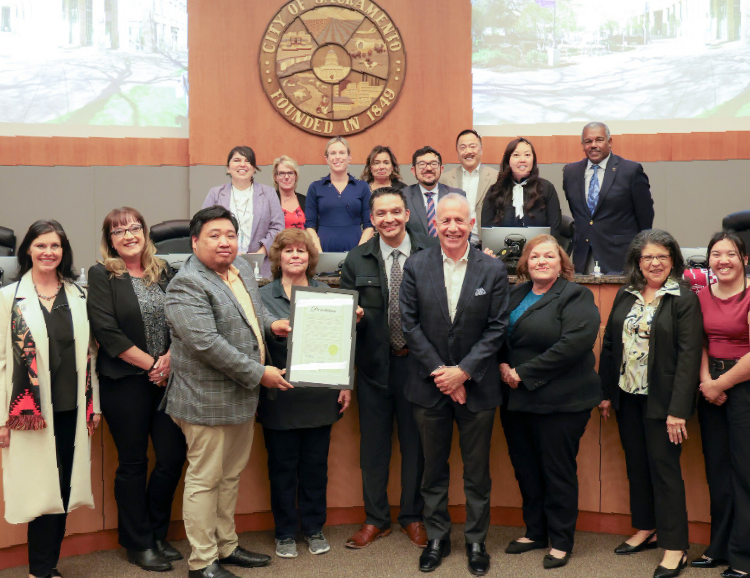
216 367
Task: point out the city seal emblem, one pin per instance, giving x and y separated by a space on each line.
332 67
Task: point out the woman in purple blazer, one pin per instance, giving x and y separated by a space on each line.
256 206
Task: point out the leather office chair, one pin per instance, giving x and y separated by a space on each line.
739 222
172 236
566 234
7 242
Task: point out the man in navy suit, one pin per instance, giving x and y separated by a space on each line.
610 200
422 199
454 302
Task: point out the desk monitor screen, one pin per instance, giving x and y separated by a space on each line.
494 237
8 268
695 257
175 260
330 262
252 259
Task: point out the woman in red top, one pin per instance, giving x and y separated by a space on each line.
724 410
285 175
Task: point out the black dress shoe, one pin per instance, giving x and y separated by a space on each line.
245 558
167 550
432 556
479 559
150 560
662 572
212 571
706 562
516 547
647 544
551 562
55 573
732 573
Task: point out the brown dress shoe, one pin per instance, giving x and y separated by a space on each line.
366 535
417 534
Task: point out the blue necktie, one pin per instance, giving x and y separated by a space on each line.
593 191
431 215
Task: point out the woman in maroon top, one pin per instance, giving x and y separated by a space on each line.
724 410
285 175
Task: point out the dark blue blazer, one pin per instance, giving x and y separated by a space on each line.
471 341
624 209
417 213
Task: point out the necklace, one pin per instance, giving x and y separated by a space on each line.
48 297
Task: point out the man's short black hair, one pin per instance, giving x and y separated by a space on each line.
424 151
383 191
468 131
209 214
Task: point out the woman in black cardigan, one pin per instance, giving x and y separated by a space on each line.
649 368
126 312
549 368
520 197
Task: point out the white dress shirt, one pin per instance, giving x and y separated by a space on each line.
599 175
454 273
241 204
470 185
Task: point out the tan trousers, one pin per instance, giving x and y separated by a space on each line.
216 457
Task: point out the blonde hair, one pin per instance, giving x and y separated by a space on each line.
336 139
284 160
152 265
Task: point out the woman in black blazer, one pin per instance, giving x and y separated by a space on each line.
126 312
553 386
649 367
520 197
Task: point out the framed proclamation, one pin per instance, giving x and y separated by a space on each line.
321 346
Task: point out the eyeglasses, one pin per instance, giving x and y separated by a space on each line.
432 164
134 230
652 258
286 175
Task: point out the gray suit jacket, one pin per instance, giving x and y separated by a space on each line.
216 367
487 178
417 213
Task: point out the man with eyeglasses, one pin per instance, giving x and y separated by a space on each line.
472 176
422 199
610 200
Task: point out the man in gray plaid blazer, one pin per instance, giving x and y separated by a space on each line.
219 328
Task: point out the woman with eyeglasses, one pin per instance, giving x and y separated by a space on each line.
255 205
724 407
285 175
649 367
338 205
49 394
126 307
520 197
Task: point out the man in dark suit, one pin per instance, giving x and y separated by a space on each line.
610 200
219 329
422 199
374 269
454 302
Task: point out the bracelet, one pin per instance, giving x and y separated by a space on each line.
156 359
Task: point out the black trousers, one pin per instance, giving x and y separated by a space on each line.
298 472
144 504
543 450
377 408
45 533
717 457
738 417
475 434
657 490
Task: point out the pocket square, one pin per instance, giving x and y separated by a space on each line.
479 292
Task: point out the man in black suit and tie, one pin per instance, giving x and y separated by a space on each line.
610 200
422 199
454 302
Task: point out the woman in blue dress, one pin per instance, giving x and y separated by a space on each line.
337 211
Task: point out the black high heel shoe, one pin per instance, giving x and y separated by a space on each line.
662 572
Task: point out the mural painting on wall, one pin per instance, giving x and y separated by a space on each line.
332 70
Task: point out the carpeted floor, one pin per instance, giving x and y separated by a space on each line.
394 556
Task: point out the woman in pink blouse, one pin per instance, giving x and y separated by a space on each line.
724 408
